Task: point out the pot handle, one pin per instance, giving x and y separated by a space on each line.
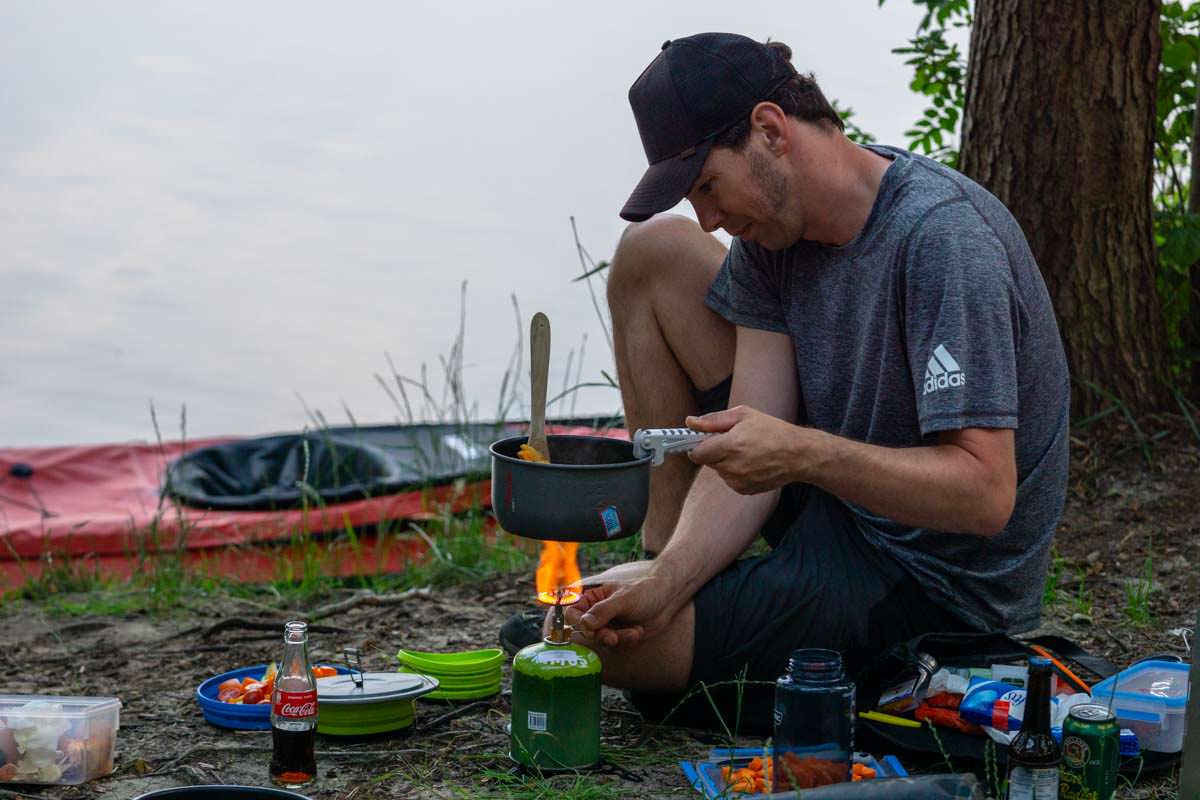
658 442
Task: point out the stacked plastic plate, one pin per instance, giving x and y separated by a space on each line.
358 704
468 675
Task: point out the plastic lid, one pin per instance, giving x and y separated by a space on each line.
815 665
1157 683
377 687
47 705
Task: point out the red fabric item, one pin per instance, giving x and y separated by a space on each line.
103 501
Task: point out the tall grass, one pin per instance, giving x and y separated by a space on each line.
460 548
1050 591
1137 592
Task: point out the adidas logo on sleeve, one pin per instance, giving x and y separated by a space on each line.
943 372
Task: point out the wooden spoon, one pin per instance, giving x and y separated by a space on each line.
539 372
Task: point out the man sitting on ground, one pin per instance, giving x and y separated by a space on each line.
894 388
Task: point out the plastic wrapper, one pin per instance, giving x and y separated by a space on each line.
998 705
946 681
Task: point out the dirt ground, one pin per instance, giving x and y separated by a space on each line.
1131 522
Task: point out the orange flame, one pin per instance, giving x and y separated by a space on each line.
558 567
558 570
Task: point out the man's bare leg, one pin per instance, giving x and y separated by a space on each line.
668 344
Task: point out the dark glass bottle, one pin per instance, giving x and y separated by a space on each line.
814 722
1033 755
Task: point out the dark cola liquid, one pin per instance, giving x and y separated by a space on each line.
293 762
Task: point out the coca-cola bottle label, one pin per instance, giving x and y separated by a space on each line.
296 705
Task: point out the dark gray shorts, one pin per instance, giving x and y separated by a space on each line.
821 585
714 399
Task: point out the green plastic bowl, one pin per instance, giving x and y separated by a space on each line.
364 720
464 694
475 676
371 702
445 664
457 683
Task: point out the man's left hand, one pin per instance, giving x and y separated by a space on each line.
753 452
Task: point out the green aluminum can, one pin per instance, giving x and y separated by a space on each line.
1091 750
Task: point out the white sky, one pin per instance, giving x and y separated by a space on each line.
231 204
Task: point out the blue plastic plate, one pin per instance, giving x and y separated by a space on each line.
240 717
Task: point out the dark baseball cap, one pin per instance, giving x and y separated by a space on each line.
694 89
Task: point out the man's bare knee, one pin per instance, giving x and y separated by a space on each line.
648 248
658 237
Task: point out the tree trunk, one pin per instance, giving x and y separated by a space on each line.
1191 327
1059 124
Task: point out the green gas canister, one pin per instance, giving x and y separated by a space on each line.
555 703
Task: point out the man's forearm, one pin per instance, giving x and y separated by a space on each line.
717 524
943 487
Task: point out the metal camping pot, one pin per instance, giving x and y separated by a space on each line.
221 793
595 489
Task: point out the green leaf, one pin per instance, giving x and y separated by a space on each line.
1178 55
1181 246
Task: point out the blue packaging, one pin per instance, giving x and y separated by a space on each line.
1128 739
994 704
999 705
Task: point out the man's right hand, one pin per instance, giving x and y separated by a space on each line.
626 605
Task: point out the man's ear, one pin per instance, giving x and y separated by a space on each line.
768 120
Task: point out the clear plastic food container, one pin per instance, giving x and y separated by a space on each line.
1149 699
57 740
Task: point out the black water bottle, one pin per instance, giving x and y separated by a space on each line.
1033 755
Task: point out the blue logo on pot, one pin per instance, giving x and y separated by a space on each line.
612 522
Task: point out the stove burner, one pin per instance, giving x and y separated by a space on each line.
559 597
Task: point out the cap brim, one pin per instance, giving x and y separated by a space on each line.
665 184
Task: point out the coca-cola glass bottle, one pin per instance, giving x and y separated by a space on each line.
294 712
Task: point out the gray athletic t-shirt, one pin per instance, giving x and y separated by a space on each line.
935 317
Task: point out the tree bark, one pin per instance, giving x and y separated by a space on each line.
1191 327
1059 124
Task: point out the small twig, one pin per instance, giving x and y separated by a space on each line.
1125 539
209 648
210 747
1124 647
367 599
270 609
455 713
583 259
249 625
191 631
371 753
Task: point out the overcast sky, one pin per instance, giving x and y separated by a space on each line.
237 205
